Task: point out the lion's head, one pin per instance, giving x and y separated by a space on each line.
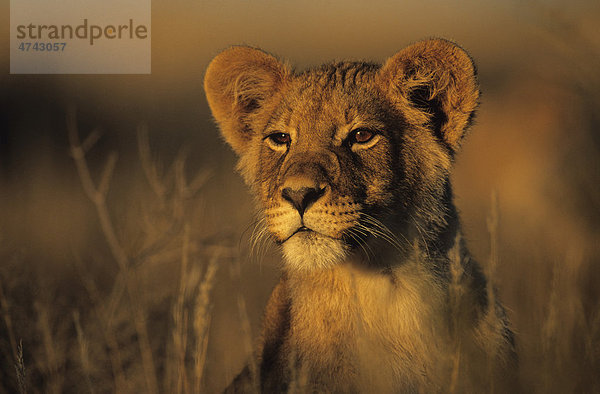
346 157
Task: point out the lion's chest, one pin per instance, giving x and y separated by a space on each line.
371 332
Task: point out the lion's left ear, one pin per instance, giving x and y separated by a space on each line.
434 84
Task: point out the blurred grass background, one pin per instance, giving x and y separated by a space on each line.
182 315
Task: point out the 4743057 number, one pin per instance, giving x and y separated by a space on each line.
42 46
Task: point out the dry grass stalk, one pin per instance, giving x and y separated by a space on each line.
492 225
565 332
105 320
202 320
83 351
8 322
141 328
115 358
20 369
490 270
235 271
53 359
456 291
180 321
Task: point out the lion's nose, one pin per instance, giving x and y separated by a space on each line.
303 197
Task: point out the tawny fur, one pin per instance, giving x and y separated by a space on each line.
378 292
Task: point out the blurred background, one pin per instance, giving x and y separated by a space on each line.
152 287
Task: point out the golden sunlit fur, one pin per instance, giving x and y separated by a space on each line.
350 163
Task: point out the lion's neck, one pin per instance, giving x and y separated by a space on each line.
356 319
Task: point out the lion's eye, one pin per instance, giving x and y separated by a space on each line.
361 136
279 138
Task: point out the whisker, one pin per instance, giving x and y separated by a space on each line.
265 243
366 231
379 229
387 231
362 230
383 232
257 233
360 243
262 237
253 224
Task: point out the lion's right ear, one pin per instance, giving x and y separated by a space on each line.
238 83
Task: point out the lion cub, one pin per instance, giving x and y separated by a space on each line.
350 162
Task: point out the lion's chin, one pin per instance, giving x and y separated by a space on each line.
308 250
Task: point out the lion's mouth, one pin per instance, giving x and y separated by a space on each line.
301 229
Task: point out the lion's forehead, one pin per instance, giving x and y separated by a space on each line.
318 103
342 75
